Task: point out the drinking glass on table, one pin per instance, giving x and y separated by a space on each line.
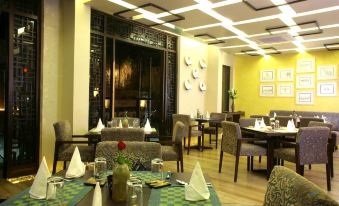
100 168
54 191
134 192
157 165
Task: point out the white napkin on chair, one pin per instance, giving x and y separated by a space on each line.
97 197
147 127
76 167
197 188
38 188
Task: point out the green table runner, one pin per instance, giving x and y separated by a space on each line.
73 192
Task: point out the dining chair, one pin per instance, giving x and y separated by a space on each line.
286 187
190 130
139 153
233 143
265 117
283 120
65 145
216 119
174 152
125 134
331 143
311 147
304 121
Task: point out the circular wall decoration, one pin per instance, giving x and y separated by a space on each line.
188 60
195 73
188 85
202 64
202 86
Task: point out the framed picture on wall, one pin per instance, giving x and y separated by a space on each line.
305 81
285 90
327 89
285 74
304 97
267 75
305 65
327 72
267 90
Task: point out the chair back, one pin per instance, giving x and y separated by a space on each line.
304 121
132 121
313 145
183 118
217 117
137 152
178 132
125 134
265 117
231 134
286 187
320 124
63 131
283 120
246 122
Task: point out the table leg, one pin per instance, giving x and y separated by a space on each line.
216 137
270 156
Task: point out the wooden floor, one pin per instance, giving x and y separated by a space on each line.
251 186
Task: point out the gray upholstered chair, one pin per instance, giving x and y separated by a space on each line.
174 152
64 147
125 134
190 130
136 152
214 124
285 187
265 117
304 121
283 120
132 121
234 144
311 147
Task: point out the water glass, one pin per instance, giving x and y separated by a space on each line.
54 191
136 123
134 193
109 124
100 168
114 123
157 165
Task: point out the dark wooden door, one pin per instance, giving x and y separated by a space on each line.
226 77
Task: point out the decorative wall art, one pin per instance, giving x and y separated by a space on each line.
267 75
202 64
327 72
188 60
285 90
327 89
195 73
267 90
305 81
305 65
202 86
304 97
285 74
188 84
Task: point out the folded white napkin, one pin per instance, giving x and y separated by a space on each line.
120 124
262 123
256 124
38 188
290 125
274 114
76 167
100 125
147 127
197 188
97 197
192 116
207 115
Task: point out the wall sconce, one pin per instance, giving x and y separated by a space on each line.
107 103
96 92
143 103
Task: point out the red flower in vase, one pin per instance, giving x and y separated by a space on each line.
121 145
121 158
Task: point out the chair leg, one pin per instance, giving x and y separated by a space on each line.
282 162
328 177
54 166
330 160
216 141
202 142
260 159
248 163
189 145
182 165
298 168
309 166
252 157
64 165
220 161
210 139
177 165
302 169
184 142
236 168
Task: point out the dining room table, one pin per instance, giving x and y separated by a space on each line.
271 136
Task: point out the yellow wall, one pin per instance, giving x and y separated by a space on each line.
247 81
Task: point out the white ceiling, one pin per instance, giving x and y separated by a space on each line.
237 24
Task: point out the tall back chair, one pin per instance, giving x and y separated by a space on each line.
265 117
283 120
285 187
125 134
214 124
234 144
190 130
64 147
246 122
174 151
304 121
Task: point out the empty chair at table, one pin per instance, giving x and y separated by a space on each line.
234 144
304 121
310 148
214 123
285 187
125 134
283 120
265 117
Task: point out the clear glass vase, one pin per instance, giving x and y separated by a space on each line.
120 176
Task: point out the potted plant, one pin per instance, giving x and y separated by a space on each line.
233 95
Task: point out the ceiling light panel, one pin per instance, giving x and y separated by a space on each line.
310 5
169 5
105 6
